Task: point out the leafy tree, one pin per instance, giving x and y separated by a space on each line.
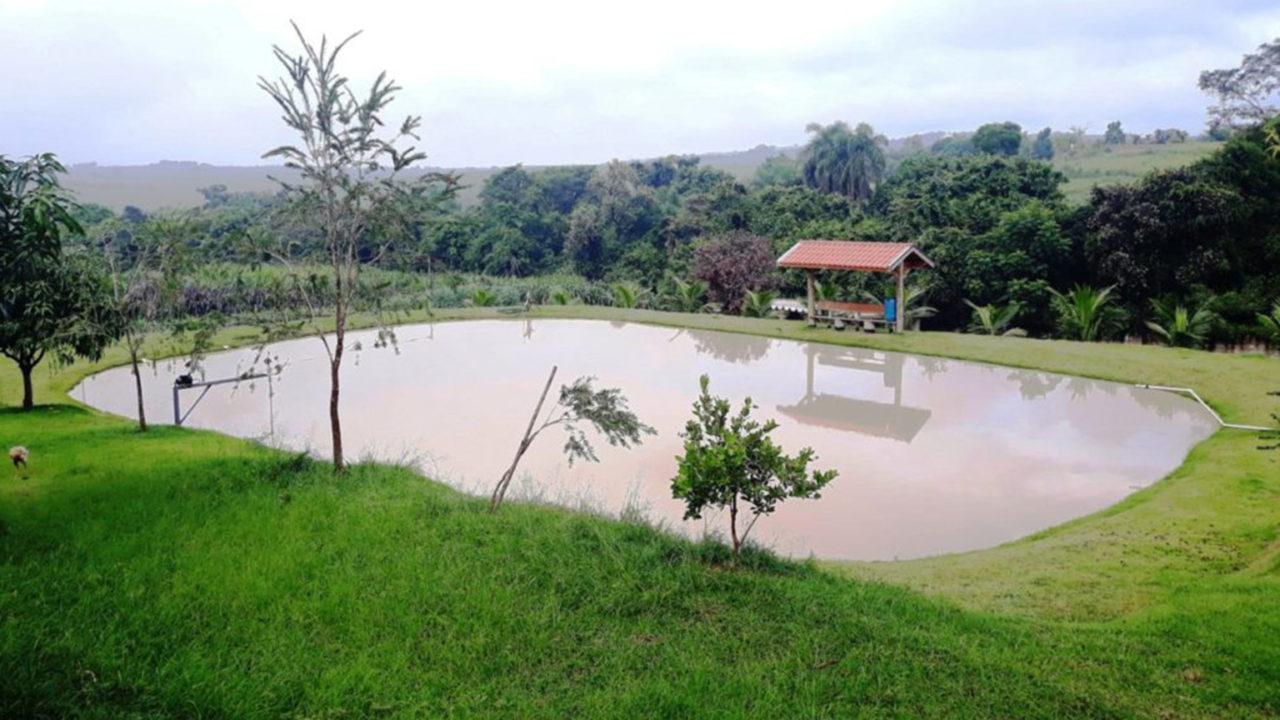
994 320
793 213
730 461
954 146
1178 326
1042 149
998 139
605 410
132 214
844 161
1246 94
1115 134
350 191
780 170
52 302
1164 234
1085 314
618 212
733 264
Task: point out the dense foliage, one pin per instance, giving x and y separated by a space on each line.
1001 231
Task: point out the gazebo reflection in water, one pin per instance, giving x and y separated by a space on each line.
890 420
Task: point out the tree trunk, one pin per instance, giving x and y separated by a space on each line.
335 422
28 397
137 383
500 491
733 528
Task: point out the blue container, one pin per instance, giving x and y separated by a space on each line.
891 309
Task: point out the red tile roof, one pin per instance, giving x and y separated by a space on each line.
852 255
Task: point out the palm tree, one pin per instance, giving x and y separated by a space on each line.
1179 327
758 303
1271 323
688 295
626 295
994 320
1083 313
840 160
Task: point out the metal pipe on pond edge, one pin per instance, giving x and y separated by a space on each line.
1205 405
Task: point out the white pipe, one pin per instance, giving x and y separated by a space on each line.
1205 405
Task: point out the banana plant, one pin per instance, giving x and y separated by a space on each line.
995 320
627 295
483 298
1271 324
758 303
688 295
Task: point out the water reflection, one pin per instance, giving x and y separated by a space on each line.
851 414
1035 385
742 349
934 456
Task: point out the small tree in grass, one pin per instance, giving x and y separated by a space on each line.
730 461
143 285
351 191
1272 436
606 410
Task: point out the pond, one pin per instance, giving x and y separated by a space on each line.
934 455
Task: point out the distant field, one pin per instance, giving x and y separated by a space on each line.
177 184
1112 165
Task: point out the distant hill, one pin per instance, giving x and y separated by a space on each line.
172 184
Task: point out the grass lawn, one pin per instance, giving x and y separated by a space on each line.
183 573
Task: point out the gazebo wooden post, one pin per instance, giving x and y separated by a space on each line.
899 311
813 314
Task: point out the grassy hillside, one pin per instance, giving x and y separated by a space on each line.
184 572
1116 164
177 184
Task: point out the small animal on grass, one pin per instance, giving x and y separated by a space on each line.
19 456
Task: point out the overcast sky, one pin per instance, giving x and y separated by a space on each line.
541 82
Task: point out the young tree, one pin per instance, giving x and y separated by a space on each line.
998 139
141 264
1115 134
605 410
730 461
51 301
733 264
350 190
1042 148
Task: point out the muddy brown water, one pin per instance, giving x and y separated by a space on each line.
934 455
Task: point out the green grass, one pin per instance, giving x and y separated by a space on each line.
1115 164
186 573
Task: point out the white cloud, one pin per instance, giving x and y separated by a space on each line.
134 82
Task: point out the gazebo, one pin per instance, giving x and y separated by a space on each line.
895 259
